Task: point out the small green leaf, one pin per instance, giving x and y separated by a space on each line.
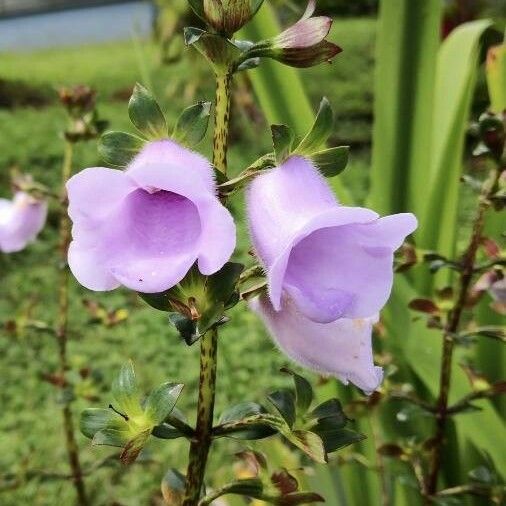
303 391
110 437
191 126
331 162
162 400
186 327
119 148
331 408
320 132
94 420
146 115
243 411
310 443
284 402
124 391
282 140
334 437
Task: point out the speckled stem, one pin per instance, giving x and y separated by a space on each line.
221 121
62 331
201 442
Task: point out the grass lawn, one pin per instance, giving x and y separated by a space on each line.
29 139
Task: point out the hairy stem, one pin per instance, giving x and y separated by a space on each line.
452 327
221 121
201 441
62 330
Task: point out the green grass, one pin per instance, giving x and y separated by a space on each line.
29 139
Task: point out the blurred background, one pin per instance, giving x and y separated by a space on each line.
110 45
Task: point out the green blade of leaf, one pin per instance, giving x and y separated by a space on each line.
146 115
191 126
119 148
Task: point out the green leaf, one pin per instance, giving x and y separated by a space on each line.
331 409
309 442
457 69
334 437
320 132
284 402
94 420
303 391
162 400
124 391
191 126
331 162
119 148
282 140
186 327
242 411
406 48
496 78
146 115
111 437
198 8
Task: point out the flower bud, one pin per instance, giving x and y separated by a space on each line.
301 45
226 16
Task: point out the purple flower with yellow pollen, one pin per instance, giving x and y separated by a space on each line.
329 270
21 220
146 226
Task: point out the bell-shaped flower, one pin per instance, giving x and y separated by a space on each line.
329 269
21 219
146 226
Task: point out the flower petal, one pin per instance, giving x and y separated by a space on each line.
94 193
336 217
281 201
218 237
89 268
342 348
165 165
20 221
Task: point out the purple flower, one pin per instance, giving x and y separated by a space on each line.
20 221
145 227
329 269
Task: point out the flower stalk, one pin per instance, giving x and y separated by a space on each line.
201 442
466 276
62 329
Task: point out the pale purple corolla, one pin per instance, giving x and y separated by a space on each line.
146 226
21 220
329 270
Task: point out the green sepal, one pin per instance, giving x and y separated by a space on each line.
118 149
331 162
284 402
282 141
296 498
191 126
111 437
125 392
162 400
220 52
146 115
198 302
94 420
198 8
166 431
303 391
335 438
320 131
